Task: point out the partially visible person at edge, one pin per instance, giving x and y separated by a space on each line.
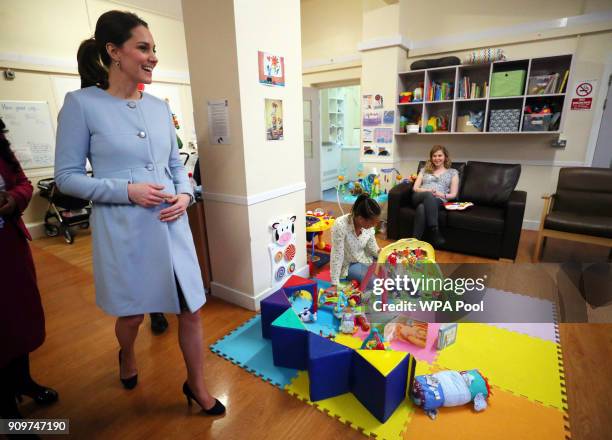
22 320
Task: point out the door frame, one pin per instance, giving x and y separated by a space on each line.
329 85
602 93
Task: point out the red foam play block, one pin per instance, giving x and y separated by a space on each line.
297 281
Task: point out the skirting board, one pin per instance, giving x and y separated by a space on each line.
243 299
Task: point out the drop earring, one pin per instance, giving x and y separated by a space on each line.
118 64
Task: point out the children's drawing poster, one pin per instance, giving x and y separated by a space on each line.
378 101
371 118
368 134
274 119
382 151
271 69
383 135
367 102
368 150
388 117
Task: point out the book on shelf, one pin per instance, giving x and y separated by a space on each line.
563 82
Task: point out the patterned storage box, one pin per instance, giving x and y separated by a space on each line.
505 120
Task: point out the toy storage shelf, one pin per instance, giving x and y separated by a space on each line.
530 97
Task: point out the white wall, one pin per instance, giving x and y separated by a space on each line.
39 42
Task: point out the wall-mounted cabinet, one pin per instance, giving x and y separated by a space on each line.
525 96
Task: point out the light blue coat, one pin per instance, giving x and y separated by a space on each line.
135 255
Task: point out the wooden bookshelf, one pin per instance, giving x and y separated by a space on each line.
544 85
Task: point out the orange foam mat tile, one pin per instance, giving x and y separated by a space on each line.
507 417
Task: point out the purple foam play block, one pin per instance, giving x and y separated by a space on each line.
379 394
271 308
329 367
289 347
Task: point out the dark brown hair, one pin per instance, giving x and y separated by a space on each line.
365 207
93 59
5 150
429 167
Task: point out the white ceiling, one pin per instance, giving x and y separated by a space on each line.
168 8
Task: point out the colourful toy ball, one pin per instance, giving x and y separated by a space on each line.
341 178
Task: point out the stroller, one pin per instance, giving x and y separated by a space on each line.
64 211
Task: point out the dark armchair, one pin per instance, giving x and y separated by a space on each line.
580 209
491 228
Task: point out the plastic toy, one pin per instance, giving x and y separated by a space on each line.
347 323
317 222
450 388
374 341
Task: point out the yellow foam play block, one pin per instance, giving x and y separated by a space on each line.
521 364
383 360
350 411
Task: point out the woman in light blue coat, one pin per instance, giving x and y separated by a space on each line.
143 251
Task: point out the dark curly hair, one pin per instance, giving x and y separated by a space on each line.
365 207
6 153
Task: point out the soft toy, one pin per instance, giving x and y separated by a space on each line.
450 388
307 316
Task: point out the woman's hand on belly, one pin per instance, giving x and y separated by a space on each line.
147 195
179 202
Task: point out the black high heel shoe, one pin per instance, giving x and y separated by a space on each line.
130 382
217 409
40 394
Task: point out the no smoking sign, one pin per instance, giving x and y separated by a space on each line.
582 98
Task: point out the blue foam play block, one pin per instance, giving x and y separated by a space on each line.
289 347
271 308
246 348
379 394
329 367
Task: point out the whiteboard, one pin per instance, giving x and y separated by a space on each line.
30 133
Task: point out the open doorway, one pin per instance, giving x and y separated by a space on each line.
340 136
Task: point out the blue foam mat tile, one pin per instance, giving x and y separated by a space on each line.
246 348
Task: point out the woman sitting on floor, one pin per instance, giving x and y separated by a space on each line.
354 246
436 184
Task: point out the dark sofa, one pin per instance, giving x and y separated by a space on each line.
491 228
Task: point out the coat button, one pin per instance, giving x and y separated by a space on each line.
150 166
142 134
131 104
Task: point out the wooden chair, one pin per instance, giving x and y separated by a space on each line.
580 210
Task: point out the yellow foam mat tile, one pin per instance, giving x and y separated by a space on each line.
350 411
508 416
518 363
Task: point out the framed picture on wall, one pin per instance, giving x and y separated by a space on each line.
271 69
274 119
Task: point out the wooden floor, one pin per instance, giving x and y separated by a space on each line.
79 359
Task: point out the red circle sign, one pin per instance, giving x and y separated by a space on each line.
584 89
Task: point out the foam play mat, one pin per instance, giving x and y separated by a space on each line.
522 362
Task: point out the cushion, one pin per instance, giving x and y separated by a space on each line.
436 62
489 184
477 218
579 223
584 190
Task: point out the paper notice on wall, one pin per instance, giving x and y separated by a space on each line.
218 122
582 95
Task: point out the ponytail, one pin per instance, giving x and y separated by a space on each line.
94 61
365 207
91 69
